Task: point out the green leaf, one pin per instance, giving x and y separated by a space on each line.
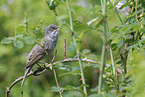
94 89
119 62
6 41
128 36
142 40
136 26
56 89
120 43
68 87
77 8
143 46
126 28
115 29
19 36
95 95
71 88
141 10
61 17
71 48
75 68
62 66
91 64
82 85
86 51
20 28
18 44
79 26
132 46
12 38
75 71
28 40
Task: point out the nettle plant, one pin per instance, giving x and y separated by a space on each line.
123 44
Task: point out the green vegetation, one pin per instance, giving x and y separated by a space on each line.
105 48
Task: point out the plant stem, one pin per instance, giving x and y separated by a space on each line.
114 69
116 12
56 80
77 51
105 29
113 65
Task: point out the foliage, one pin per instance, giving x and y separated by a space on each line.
124 46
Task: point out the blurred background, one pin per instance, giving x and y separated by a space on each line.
16 14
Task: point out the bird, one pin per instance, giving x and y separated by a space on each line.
39 51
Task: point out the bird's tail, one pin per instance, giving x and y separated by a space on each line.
26 72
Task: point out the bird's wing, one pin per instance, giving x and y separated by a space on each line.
35 54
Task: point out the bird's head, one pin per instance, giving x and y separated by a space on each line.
52 30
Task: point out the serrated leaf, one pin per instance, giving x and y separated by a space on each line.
12 38
18 44
28 40
128 36
136 26
119 62
6 41
75 68
71 88
20 28
120 43
62 66
19 36
56 89
132 46
95 95
68 87
142 40
76 72
141 10
86 51
90 64
115 29
126 28
61 17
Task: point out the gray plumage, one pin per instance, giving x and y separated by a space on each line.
38 52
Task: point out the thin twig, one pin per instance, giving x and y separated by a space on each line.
38 72
55 74
64 48
54 56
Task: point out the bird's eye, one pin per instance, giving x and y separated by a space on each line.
52 29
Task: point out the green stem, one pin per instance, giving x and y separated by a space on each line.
77 51
112 60
116 12
105 29
114 69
